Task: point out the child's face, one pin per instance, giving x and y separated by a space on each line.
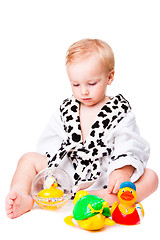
89 79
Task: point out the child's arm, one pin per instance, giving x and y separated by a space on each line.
118 176
130 155
52 136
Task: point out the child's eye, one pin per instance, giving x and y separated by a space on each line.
75 84
92 84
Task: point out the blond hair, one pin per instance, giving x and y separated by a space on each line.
86 47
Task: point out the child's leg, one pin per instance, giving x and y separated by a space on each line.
18 200
145 186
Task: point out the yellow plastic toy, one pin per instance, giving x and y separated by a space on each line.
90 212
51 188
127 212
52 191
52 195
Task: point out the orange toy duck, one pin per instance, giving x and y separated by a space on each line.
127 212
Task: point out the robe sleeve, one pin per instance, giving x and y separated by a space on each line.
52 136
129 148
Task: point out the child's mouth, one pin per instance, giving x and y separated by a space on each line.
86 99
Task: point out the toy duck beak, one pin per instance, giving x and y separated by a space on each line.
127 196
53 185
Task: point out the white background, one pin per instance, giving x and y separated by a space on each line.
34 37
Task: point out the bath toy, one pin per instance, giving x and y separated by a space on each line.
52 191
51 188
90 212
127 212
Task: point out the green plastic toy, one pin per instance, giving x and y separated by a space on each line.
90 212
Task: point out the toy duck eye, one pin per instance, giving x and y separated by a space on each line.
123 190
131 191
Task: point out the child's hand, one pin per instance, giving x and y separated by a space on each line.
118 176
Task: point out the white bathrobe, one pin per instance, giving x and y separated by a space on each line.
113 142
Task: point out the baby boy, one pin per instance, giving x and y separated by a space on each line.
92 136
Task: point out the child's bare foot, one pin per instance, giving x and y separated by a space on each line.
17 204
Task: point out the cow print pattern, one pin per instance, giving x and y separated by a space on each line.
85 156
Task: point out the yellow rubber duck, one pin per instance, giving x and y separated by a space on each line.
90 212
51 195
51 191
127 212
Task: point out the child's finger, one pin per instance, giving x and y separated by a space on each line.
111 185
110 188
116 188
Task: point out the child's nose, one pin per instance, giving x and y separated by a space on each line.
84 90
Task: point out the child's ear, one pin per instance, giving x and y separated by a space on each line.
110 77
